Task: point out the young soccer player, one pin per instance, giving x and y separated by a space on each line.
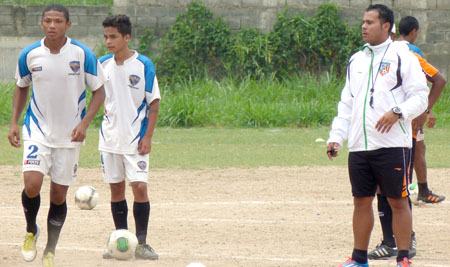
131 112
55 122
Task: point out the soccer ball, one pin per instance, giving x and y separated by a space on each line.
122 244
413 193
86 197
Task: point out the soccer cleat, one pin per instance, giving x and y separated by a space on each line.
430 198
47 260
352 263
413 245
404 263
145 252
29 246
107 256
382 252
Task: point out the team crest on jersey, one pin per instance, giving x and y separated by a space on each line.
74 66
142 165
134 79
384 68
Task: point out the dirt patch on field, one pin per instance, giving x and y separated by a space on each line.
268 216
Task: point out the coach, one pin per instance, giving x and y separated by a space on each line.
384 90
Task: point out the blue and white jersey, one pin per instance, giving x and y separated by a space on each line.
58 98
129 91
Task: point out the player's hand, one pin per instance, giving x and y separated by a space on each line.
431 120
419 122
385 123
14 135
145 145
332 150
79 133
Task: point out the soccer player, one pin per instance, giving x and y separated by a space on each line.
130 115
384 90
408 28
55 122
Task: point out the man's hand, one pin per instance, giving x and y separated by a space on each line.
419 122
431 120
385 123
145 145
14 135
332 150
79 133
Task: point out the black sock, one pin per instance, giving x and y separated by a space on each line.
385 215
120 213
360 256
141 212
423 189
402 254
55 221
31 208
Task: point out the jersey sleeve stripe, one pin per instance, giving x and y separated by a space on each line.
149 72
90 60
105 58
23 66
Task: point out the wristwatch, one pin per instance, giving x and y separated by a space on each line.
397 111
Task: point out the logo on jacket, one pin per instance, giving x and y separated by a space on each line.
75 67
142 165
134 79
384 68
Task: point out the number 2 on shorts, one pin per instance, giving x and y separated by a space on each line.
32 154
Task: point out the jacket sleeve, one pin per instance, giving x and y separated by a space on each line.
415 88
341 123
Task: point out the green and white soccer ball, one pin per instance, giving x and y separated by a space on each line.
414 193
86 197
122 244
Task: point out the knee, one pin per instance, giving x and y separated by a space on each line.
140 191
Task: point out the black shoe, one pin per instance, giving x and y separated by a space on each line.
412 247
382 252
145 252
430 198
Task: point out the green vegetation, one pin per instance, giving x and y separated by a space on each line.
62 2
199 148
199 45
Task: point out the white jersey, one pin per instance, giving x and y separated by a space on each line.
58 98
129 91
379 78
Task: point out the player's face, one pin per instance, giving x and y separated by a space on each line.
373 32
114 40
55 25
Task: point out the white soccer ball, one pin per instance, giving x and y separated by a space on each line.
86 197
413 193
122 244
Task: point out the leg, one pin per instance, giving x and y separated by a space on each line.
363 221
420 167
119 207
141 210
401 224
56 215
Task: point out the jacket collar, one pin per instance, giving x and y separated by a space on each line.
376 48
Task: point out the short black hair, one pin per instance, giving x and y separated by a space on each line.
59 8
385 14
120 21
407 24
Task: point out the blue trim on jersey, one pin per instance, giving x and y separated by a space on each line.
142 131
144 103
90 60
81 98
23 67
34 101
415 49
27 121
101 132
105 57
149 72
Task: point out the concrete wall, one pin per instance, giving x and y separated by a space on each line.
19 26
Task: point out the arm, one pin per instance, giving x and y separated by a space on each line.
79 133
145 144
19 102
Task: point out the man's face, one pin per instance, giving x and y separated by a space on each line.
55 24
114 40
373 32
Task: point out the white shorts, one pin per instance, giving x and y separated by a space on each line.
61 164
118 166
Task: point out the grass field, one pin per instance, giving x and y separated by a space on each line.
198 148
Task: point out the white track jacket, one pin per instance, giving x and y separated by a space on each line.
397 80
